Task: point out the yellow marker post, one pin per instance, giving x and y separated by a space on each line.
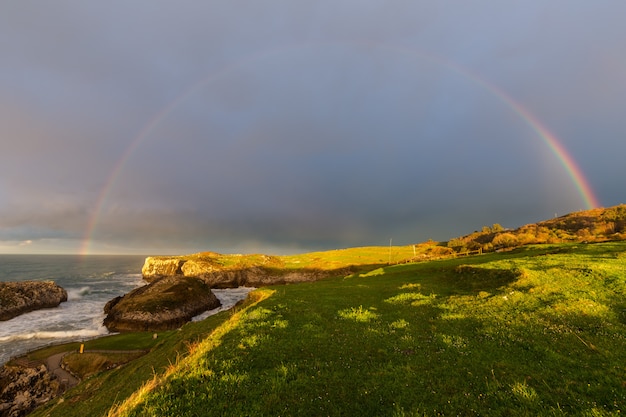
82 347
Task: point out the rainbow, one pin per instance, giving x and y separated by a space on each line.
553 143
557 148
147 129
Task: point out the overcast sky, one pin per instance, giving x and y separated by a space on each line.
284 126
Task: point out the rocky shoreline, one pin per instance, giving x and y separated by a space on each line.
179 288
22 297
233 277
24 388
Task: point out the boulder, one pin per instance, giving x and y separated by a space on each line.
22 297
164 304
180 287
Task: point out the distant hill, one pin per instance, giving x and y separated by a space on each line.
596 225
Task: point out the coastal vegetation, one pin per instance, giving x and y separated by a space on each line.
597 225
537 329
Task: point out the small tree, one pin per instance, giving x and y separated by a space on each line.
456 244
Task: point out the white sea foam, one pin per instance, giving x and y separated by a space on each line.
90 283
228 297
76 293
77 334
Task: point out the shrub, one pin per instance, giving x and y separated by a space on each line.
505 240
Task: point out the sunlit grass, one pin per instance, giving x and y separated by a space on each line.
358 314
531 335
539 331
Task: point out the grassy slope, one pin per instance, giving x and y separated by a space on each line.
95 395
537 331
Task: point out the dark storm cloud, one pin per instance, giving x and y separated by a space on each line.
311 125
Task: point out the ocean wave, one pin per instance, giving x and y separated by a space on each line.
63 334
77 293
126 280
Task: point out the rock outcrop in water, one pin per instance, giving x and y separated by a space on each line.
180 287
22 297
166 303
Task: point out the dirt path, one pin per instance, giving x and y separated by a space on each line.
66 379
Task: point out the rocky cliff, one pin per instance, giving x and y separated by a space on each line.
218 276
180 287
159 267
166 303
21 297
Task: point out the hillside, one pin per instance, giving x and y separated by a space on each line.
531 330
539 330
597 225
214 270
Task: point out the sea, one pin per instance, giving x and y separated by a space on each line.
90 281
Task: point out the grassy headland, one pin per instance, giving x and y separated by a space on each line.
540 330
535 325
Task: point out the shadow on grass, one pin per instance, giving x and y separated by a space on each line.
470 279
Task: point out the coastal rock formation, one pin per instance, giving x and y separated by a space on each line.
256 276
166 303
163 268
22 389
216 276
21 297
180 287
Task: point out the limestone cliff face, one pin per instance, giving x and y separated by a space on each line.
217 277
180 288
159 267
21 297
166 303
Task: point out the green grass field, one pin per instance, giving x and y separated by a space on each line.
540 330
